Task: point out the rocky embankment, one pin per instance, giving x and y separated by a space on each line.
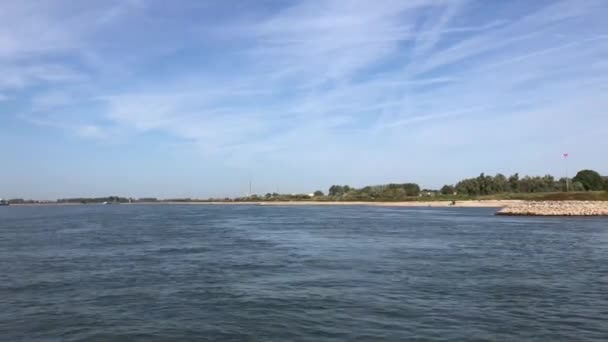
556 208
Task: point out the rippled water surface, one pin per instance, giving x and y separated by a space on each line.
255 273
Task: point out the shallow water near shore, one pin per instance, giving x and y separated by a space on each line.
306 273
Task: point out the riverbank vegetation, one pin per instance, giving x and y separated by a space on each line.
585 180
586 185
83 200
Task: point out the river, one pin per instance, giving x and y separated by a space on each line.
299 273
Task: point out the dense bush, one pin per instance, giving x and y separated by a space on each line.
590 179
447 190
585 180
388 192
489 185
339 190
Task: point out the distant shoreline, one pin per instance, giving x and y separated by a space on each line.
505 207
458 204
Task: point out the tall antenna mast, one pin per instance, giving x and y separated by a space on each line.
566 155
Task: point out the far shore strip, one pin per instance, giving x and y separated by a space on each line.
460 204
506 207
457 204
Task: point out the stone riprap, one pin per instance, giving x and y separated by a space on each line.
556 208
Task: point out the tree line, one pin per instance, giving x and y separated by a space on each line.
85 200
387 192
585 180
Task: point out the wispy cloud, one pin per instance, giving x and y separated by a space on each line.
313 81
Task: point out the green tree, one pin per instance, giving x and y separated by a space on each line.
469 187
411 189
339 190
560 185
514 183
577 186
549 183
591 180
500 184
318 193
447 190
483 184
336 190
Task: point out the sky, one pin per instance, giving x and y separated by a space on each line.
195 98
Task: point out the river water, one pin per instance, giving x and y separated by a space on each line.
256 273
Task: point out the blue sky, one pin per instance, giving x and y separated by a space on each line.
194 98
